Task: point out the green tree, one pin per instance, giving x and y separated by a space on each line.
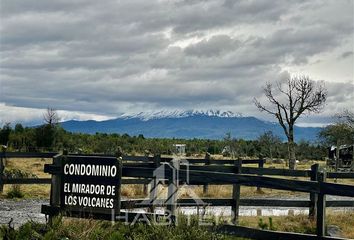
5 134
45 136
268 142
47 133
337 134
340 133
230 146
19 128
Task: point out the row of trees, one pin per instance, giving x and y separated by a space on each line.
30 139
51 137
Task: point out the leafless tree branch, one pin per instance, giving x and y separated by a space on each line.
51 117
302 95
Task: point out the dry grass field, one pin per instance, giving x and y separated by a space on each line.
36 165
302 223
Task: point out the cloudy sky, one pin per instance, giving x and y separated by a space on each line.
99 59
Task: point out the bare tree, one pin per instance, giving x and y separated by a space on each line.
300 95
51 117
346 117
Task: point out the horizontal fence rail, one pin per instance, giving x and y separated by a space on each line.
218 202
213 165
27 154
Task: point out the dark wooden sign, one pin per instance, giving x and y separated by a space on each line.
86 186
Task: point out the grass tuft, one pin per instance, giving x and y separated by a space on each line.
15 192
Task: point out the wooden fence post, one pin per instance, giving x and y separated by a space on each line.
154 183
145 189
173 189
321 209
2 168
313 196
260 165
236 191
207 162
146 186
55 185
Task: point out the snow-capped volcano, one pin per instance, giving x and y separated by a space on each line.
210 124
145 116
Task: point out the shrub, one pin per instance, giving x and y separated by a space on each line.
265 226
18 173
15 192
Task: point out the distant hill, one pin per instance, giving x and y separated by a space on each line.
188 124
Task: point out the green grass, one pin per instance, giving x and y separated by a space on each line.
15 192
302 223
80 229
189 229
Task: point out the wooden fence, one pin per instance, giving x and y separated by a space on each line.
140 170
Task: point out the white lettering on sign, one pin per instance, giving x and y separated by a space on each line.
79 191
89 201
101 195
90 170
66 187
88 188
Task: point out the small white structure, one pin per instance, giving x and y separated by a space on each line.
179 149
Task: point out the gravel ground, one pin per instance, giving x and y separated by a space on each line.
21 211
24 210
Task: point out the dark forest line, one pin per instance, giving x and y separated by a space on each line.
52 137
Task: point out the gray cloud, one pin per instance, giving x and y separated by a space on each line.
215 46
347 54
106 59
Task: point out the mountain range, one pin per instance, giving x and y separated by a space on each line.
211 124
